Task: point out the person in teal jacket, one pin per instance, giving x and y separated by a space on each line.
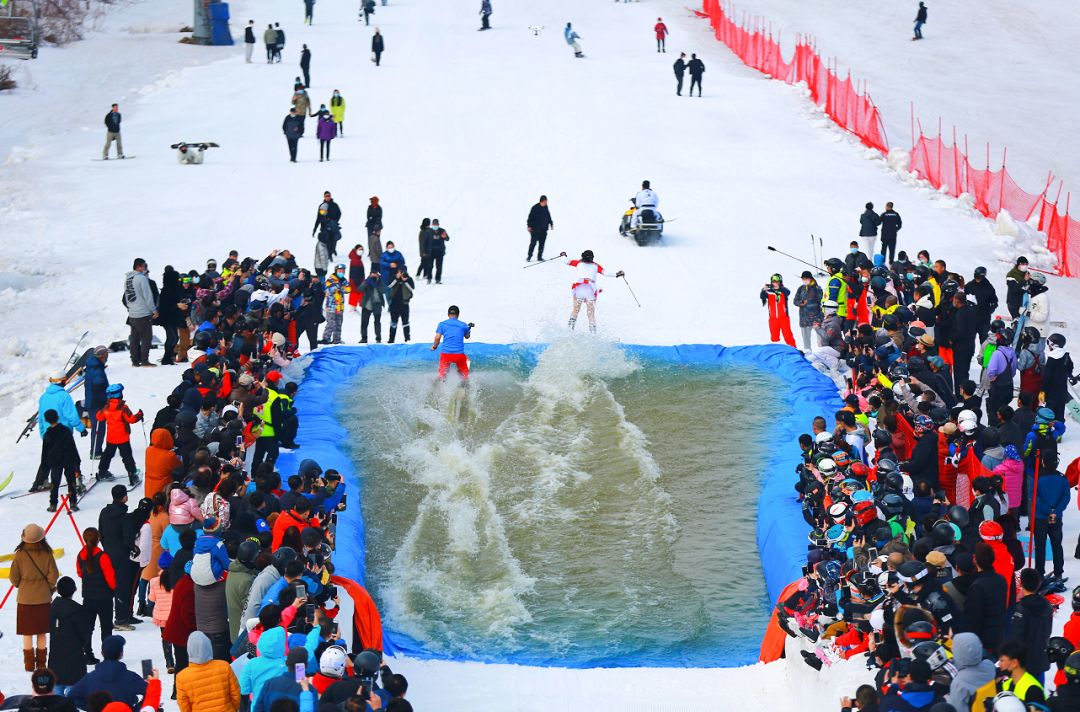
1049 501
58 399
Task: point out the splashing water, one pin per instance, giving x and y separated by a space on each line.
590 509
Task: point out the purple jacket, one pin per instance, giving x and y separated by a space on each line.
327 128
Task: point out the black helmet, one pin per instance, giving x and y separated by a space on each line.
834 264
1071 668
950 288
1030 335
247 552
959 516
1005 338
367 662
892 505
203 340
1076 599
1058 649
940 416
920 630
881 338
997 325
943 534
898 370
890 322
282 557
587 256
882 438
980 271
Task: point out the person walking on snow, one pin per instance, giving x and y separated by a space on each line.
697 69
270 40
775 296
661 34
572 38
279 43
377 47
55 398
584 288
890 227
112 132
325 131
868 225
452 333
305 65
680 70
374 226
485 14
337 111
140 298
249 41
538 223
309 11
367 9
293 128
920 20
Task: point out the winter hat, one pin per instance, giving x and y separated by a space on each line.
926 340
1044 416
991 531
937 559
32 534
199 649
118 492
229 409
66 586
164 560
277 339
261 525
43 681
211 525
807 275
246 379
101 350
273 376
112 648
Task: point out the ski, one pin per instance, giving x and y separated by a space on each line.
125 158
7 481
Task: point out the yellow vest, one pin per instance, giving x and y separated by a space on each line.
1020 689
841 294
267 430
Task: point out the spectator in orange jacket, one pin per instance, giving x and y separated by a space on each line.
775 296
161 462
295 517
118 419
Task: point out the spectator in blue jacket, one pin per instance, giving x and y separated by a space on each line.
391 261
1049 509
58 399
285 686
110 675
94 384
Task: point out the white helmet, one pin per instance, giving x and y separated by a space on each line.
823 437
1008 702
967 415
967 426
829 306
332 662
826 467
1038 278
877 616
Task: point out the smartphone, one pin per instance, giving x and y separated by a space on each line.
236 404
301 590
239 441
872 551
147 669
301 671
309 612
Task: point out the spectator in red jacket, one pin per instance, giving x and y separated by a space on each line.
661 34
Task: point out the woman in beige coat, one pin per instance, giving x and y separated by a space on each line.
34 573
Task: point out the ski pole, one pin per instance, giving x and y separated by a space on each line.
540 262
1031 518
813 247
631 290
781 252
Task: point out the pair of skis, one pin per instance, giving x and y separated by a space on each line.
72 368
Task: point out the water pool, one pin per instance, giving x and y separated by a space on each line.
582 507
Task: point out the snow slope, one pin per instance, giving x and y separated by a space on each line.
465 126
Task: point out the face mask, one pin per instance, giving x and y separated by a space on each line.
864 280
910 276
854 250
806 282
924 263
1022 268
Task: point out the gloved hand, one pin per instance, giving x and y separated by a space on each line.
84 433
620 273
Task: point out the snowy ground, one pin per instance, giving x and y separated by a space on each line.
468 127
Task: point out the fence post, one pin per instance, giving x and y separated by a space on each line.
1001 185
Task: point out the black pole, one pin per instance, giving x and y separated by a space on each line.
781 252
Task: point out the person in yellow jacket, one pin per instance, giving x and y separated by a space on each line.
206 685
836 290
337 111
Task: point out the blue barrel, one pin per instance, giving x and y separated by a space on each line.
219 23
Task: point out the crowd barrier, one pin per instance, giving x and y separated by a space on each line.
781 530
942 166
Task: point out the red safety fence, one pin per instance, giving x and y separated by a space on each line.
941 165
848 106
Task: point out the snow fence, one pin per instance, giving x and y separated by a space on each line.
781 530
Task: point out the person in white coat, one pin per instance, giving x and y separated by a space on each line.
585 288
1038 308
646 198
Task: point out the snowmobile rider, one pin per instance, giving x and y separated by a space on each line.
646 198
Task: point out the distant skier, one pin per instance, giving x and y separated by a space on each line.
697 69
868 225
377 47
374 226
191 153
485 14
367 9
584 288
920 20
775 296
452 333
661 34
305 65
572 38
538 223
118 420
112 132
309 11
249 41
680 70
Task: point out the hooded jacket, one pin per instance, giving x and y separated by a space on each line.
138 295
162 601
118 419
209 562
206 685
58 399
973 671
114 677
183 509
262 584
161 462
70 631
269 664
237 588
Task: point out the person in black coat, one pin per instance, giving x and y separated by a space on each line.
1057 371
305 65
249 41
115 540
374 226
868 227
965 327
923 464
70 628
293 128
538 224
1031 621
377 47
172 313
680 70
890 226
697 69
984 606
61 458
920 20
986 300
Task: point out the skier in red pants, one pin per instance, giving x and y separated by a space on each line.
775 296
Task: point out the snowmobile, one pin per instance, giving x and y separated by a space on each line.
649 227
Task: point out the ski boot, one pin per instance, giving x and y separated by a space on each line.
592 328
80 487
133 479
573 320
105 476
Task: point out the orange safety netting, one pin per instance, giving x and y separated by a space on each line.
842 101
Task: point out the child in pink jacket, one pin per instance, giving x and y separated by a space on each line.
161 596
183 509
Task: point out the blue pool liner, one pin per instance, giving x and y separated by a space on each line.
781 530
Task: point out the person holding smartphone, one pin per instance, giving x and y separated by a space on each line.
292 684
